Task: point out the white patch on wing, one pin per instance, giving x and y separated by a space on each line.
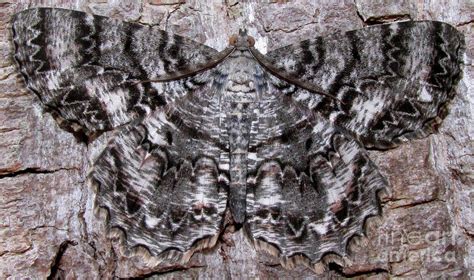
224 166
52 80
151 222
319 228
318 127
200 197
271 195
335 192
270 200
350 151
425 96
116 101
252 156
368 109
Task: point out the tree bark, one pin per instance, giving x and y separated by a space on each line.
47 224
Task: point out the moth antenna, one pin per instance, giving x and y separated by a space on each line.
276 72
192 71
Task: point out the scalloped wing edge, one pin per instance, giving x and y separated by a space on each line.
320 265
115 232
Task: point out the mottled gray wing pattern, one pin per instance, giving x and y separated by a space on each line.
283 149
391 82
159 180
311 185
85 68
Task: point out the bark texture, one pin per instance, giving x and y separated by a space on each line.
47 224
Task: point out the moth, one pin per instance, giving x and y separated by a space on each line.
277 141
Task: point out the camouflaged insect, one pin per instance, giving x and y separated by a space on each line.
277 140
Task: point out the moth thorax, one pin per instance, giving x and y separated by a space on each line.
241 90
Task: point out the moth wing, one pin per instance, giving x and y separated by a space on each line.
391 82
94 74
311 186
90 71
159 180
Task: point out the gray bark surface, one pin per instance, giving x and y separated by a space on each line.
47 224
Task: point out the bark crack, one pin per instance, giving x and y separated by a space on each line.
8 129
291 30
351 273
168 270
358 12
57 259
465 23
467 232
32 170
177 7
47 226
381 19
414 203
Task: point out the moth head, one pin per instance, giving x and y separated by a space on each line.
242 40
